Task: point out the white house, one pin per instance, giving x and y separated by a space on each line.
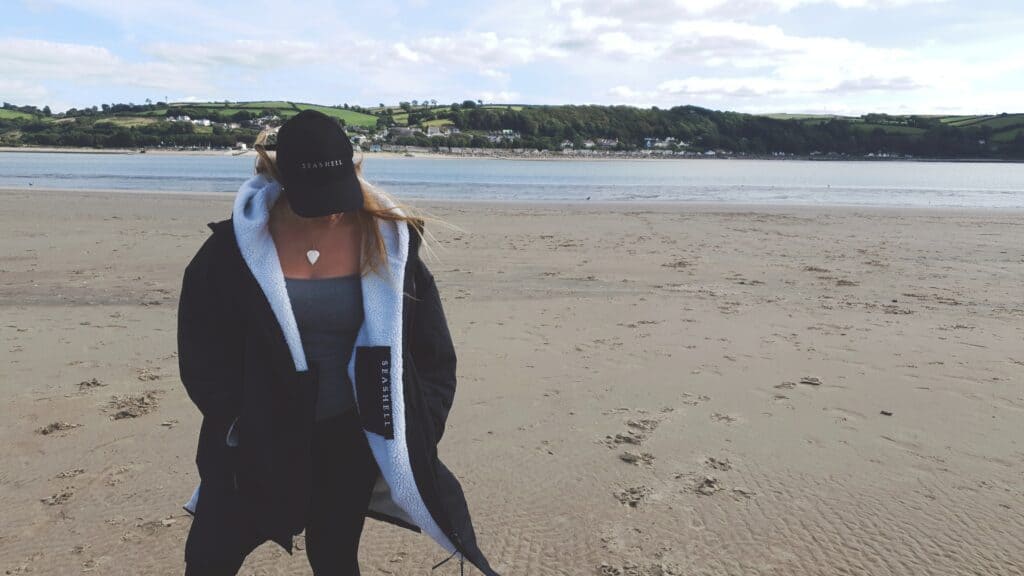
400 131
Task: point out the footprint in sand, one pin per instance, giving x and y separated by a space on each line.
637 430
708 486
724 418
116 476
60 497
134 405
722 464
645 424
628 437
691 400
90 384
634 569
633 495
703 484
743 493
71 473
637 458
146 375
56 427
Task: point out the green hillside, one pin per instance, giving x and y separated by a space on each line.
279 108
683 129
350 117
11 114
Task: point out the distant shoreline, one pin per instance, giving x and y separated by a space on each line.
661 205
502 154
679 206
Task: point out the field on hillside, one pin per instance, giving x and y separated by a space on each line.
7 114
284 109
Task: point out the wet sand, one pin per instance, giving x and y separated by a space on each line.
644 389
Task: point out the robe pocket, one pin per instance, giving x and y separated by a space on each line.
373 389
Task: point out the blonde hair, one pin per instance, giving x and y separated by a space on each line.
374 250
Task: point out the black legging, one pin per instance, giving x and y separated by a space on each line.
343 475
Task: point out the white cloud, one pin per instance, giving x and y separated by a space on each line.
738 54
495 74
661 10
39 60
20 91
503 97
720 87
481 50
622 44
403 52
582 22
665 55
240 53
872 84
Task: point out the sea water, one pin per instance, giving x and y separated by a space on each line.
765 182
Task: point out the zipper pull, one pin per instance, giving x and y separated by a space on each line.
439 564
454 536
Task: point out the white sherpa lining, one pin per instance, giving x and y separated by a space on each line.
382 326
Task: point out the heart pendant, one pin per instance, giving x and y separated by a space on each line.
312 256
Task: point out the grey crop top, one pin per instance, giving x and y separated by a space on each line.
329 313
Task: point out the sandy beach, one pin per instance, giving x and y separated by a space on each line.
644 390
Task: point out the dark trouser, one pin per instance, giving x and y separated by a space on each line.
344 472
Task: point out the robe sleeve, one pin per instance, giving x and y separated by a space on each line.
433 351
205 359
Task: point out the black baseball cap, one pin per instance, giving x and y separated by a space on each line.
314 158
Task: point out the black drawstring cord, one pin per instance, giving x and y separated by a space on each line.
462 566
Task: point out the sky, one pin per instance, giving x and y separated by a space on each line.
758 56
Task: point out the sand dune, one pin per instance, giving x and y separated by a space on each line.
644 390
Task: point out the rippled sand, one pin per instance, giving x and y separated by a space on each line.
647 390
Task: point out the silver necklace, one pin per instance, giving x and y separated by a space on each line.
313 254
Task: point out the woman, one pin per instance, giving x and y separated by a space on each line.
311 337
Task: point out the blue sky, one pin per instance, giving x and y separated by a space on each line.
799 56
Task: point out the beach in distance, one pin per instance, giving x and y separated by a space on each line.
644 389
509 154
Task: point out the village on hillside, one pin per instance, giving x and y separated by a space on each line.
473 128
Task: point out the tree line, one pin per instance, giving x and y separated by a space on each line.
548 128
89 132
703 129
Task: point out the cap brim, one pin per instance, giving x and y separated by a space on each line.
327 199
